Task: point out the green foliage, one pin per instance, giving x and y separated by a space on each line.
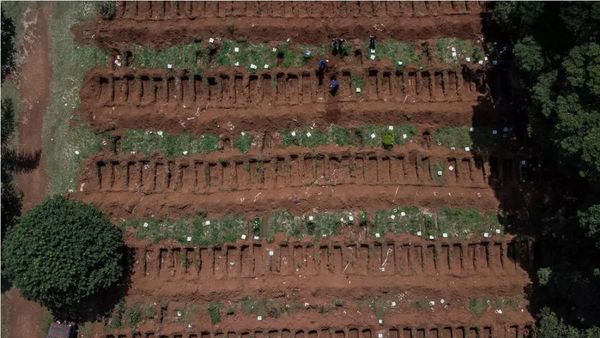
388 139
72 62
8 119
191 57
200 230
316 225
244 142
364 136
214 310
150 142
550 326
543 275
8 45
528 55
457 137
462 50
107 9
478 305
589 220
62 252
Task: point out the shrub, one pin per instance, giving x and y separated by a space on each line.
543 275
388 139
214 310
62 252
107 9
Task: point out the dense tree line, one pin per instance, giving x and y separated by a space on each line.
555 62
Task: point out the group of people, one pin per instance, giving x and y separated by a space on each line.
337 48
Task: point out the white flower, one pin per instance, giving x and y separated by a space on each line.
402 214
392 216
467 149
404 136
253 66
271 253
454 54
439 173
160 133
451 168
431 237
236 49
178 313
498 231
342 219
372 51
146 224
432 303
308 134
391 127
211 40
399 63
381 323
372 57
351 218
377 235
418 233
311 218
243 236
358 90
76 152
373 135
236 63
471 129
468 59
189 238
256 238
259 318
480 62
293 133
393 304
266 66
442 301
485 234
207 222
274 49
485 58
453 49
185 152
445 235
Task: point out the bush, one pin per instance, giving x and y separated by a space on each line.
388 139
543 275
62 252
107 9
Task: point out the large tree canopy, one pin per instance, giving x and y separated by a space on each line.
62 252
555 61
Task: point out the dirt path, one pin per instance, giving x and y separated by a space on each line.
25 317
35 75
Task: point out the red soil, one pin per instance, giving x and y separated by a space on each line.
220 100
162 23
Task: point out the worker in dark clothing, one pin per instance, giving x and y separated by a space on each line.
322 66
372 41
334 85
336 46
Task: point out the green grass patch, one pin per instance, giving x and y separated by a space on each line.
438 172
320 224
244 142
478 306
137 313
453 137
199 230
151 142
454 222
67 147
365 136
192 57
462 50
214 310
395 51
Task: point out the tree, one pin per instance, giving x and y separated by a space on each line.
8 45
62 252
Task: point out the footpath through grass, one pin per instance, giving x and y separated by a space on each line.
67 146
456 223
